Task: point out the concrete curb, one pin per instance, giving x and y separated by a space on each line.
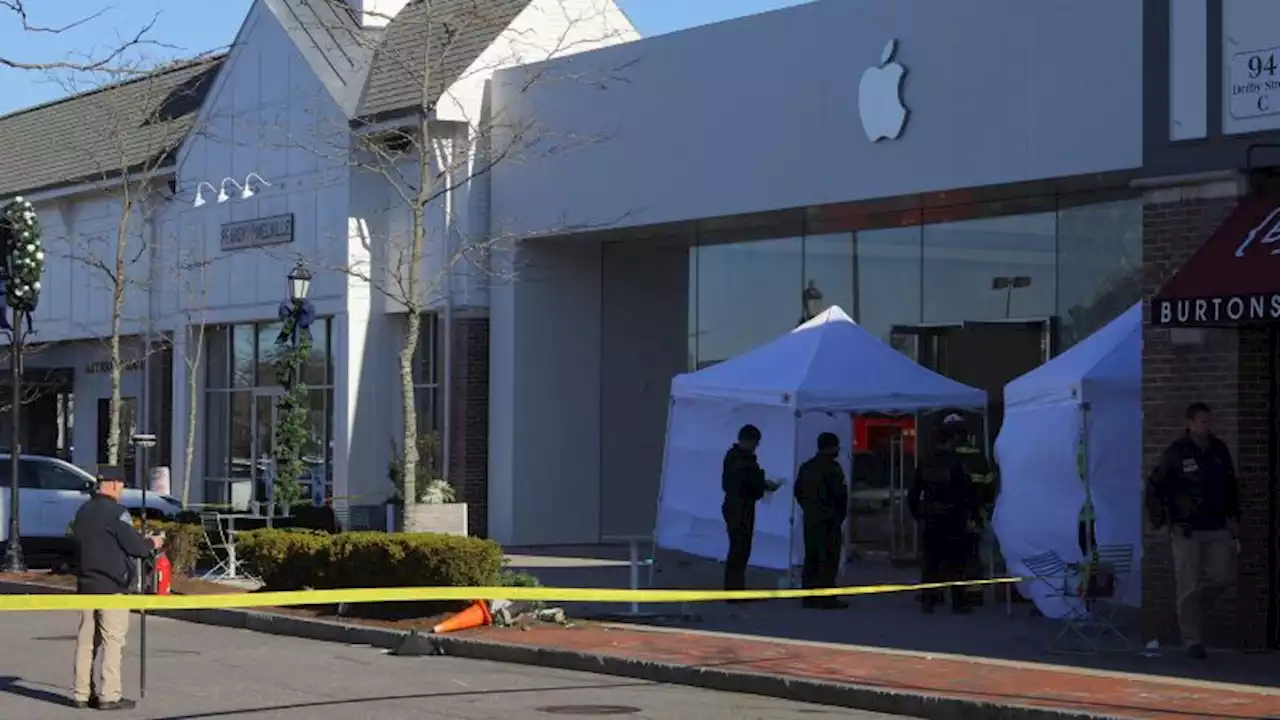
870 699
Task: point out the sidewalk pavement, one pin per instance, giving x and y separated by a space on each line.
1087 693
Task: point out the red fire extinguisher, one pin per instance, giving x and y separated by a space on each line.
164 574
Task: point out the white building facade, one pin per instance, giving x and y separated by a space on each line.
297 146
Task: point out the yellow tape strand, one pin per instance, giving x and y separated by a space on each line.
46 602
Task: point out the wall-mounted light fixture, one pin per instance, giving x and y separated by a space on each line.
247 189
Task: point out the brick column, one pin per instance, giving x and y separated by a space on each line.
1228 370
469 441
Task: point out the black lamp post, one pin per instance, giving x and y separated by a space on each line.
811 302
21 267
297 315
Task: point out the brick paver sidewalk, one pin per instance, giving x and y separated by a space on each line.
996 682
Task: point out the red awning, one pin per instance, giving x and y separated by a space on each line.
1234 277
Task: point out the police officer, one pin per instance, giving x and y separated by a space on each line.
744 483
1193 492
106 547
942 499
824 500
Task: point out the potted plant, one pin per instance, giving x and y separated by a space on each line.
435 507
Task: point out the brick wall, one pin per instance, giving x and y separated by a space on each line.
1229 371
469 444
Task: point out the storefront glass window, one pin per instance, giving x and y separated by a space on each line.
990 269
888 263
1099 265
242 361
240 421
218 357
829 268
747 294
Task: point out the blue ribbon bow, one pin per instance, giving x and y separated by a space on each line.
301 319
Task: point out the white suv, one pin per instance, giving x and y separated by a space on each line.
51 491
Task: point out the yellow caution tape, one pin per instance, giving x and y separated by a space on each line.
44 602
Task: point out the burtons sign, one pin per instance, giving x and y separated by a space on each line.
1234 277
1218 310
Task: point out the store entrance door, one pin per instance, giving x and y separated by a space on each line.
984 355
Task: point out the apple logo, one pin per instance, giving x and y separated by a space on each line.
880 97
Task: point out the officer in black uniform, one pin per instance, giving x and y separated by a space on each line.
942 499
1193 494
744 483
824 499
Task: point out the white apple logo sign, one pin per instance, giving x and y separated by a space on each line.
880 97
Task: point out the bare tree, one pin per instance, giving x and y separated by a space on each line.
191 270
115 58
137 127
423 159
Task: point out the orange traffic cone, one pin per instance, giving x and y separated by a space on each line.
473 617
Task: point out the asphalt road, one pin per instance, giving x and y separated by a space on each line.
196 671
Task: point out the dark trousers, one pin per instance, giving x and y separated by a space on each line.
740 524
821 553
945 558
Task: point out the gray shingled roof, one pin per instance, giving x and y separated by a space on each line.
332 42
460 31
138 124
94 135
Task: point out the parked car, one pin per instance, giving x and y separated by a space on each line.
51 491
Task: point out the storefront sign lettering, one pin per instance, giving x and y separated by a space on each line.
104 366
1218 310
1254 85
276 230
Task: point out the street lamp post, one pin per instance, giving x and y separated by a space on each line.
297 314
1009 284
23 265
810 302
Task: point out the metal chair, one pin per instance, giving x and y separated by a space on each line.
1103 602
1063 582
220 546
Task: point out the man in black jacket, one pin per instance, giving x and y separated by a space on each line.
1193 492
824 501
106 548
744 483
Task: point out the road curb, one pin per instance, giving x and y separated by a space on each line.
870 699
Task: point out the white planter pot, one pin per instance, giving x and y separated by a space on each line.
447 518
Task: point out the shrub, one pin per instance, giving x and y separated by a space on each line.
183 544
293 560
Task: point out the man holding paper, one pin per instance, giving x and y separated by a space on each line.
744 484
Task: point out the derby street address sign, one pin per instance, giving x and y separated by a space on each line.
275 230
1254 84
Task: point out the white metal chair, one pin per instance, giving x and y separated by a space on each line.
1091 592
1062 582
220 545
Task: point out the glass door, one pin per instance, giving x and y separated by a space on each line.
265 419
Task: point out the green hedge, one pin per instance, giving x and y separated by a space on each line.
184 544
297 559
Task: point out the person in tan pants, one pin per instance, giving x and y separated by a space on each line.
1193 493
106 547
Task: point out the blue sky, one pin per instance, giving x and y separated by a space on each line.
191 26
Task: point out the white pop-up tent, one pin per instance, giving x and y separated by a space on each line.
793 388
1073 431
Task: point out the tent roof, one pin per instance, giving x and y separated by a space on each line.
1110 360
828 363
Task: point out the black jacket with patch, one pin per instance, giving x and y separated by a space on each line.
106 546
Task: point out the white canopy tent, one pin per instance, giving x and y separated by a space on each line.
1080 411
793 388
